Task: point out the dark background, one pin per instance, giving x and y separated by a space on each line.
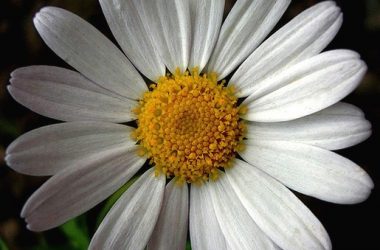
350 227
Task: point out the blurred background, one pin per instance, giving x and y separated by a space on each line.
350 227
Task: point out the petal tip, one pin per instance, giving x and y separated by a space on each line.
370 183
12 79
363 65
15 72
34 228
24 212
327 4
48 9
10 89
7 158
40 13
365 192
43 15
37 19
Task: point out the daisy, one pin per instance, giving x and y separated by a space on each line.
222 153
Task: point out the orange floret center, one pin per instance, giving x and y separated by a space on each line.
189 126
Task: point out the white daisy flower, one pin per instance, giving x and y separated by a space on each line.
227 166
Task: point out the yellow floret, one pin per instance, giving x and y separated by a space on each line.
189 126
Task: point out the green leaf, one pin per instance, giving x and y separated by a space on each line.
112 200
188 245
44 245
47 247
8 128
77 233
3 246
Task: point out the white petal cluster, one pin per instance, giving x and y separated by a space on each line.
292 91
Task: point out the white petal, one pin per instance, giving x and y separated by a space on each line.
62 75
79 188
303 91
131 220
310 170
342 108
90 52
205 231
278 212
335 131
297 71
171 228
206 19
171 28
128 22
66 95
50 149
306 35
245 27
239 229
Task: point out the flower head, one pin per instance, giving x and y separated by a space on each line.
237 144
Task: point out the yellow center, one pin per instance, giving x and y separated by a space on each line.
189 126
